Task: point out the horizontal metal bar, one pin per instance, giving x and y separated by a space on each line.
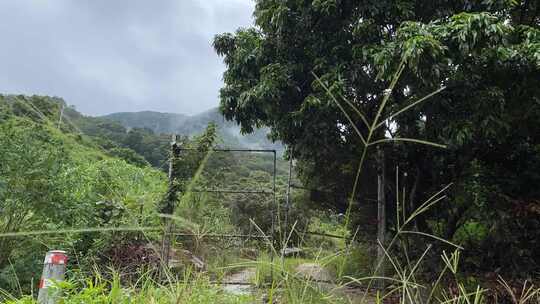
234 283
231 191
123 229
220 235
311 189
232 150
325 235
253 285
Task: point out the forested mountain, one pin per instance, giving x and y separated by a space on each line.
156 121
69 171
185 125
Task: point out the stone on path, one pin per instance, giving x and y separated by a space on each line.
321 275
291 251
314 272
242 279
182 258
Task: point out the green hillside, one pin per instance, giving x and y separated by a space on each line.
67 180
53 178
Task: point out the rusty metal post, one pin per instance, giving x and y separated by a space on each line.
381 212
54 270
275 209
288 201
171 196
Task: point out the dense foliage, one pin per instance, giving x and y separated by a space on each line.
65 174
51 181
485 53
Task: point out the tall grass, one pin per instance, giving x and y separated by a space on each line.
405 283
404 278
193 288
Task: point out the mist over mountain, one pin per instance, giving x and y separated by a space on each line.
189 125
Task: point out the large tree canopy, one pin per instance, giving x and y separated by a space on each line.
486 54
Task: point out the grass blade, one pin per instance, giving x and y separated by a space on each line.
432 236
413 140
341 108
410 106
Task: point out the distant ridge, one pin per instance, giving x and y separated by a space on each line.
156 121
190 125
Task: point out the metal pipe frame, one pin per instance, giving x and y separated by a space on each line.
233 150
230 191
273 192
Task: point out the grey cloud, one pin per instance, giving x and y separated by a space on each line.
105 56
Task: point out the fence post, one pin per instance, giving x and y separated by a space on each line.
381 214
169 208
54 269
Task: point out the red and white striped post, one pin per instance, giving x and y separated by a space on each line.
54 269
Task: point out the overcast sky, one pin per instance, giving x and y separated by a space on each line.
107 56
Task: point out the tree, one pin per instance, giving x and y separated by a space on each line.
486 54
487 118
188 157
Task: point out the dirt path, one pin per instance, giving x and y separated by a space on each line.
239 282
316 272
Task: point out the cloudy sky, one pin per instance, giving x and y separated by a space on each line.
107 56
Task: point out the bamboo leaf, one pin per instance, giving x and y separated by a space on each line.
432 236
341 108
413 140
387 94
410 106
357 111
67 231
370 278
